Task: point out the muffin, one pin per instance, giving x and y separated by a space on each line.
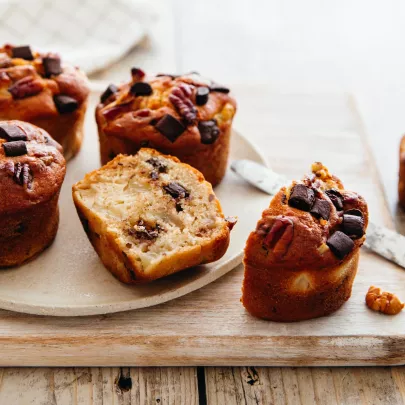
39 89
301 260
185 116
148 216
401 181
32 169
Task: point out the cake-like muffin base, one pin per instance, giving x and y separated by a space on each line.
25 234
287 296
210 160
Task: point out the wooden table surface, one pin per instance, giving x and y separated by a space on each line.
239 42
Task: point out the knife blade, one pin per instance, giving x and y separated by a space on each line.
381 240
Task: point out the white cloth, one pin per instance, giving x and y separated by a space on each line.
88 33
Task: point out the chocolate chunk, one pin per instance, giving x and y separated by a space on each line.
16 148
143 230
201 96
336 198
179 208
12 133
353 226
301 197
65 104
52 66
154 175
109 91
354 211
219 88
321 209
157 164
340 244
23 52
176 190
170 127
141 89
209 131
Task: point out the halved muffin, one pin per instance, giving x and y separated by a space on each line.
149 216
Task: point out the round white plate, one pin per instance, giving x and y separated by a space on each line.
68 279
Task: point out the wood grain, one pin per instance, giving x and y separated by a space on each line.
304 386
98 386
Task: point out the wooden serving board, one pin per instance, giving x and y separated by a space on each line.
210 326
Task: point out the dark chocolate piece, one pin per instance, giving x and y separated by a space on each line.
52 66
176 190
12 133
336 198
65 104
201 96
301 197
23 52
209 131
157 164
179 208
154 175
16 148
141 89
143 230
170 127
340 244
109 91
354 211
353 226
321 209
219 88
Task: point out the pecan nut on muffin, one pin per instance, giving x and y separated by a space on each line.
32 169
185 116
301 260
39 89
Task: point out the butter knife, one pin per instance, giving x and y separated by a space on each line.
380 239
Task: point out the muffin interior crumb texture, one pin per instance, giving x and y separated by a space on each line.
153 207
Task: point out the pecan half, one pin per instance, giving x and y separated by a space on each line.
115 111
21 173
280 236
26 87
180 98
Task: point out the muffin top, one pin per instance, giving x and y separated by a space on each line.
32 167
314 223
166 110
35 85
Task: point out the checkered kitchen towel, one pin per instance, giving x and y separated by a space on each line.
89 33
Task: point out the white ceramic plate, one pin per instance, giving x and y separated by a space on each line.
68 279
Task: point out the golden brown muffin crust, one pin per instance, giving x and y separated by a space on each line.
34 90
32 177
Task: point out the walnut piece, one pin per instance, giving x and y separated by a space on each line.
384 302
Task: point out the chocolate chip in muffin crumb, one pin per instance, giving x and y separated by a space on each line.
179 208
202 95
176 190
154 175
65 104
16 148
157 164
52 66
144 230
340 244
321 209
209 131
170 127
22 52
12 133
301 197
141 89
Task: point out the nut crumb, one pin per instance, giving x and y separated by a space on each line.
384 302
